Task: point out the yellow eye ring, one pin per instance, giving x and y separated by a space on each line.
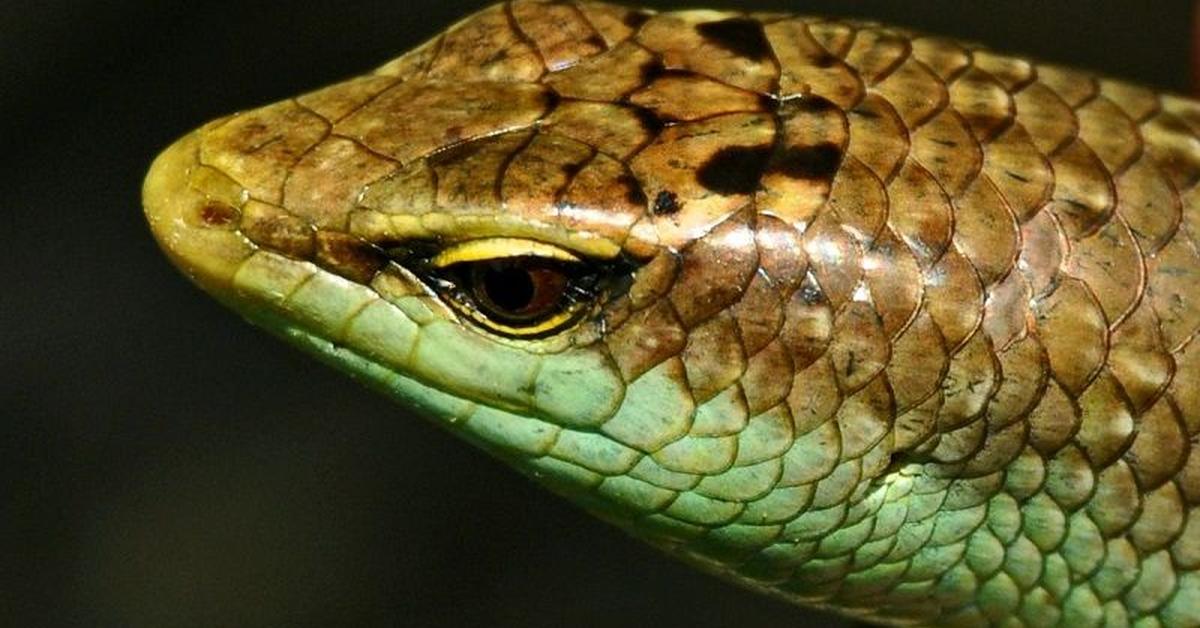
514 287
499 248
552 324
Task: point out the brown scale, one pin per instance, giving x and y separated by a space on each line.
875 246
616 130
560 32
259 148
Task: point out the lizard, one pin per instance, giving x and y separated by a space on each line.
873 321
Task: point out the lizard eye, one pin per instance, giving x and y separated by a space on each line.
516 288
520 290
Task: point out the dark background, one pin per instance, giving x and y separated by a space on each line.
164 464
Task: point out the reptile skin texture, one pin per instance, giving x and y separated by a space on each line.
881 323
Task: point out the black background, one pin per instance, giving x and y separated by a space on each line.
164 464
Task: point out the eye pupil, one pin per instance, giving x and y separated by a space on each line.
519 290
509 288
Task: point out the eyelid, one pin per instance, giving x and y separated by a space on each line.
531 331
499 248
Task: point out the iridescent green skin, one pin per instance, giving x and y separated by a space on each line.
896 326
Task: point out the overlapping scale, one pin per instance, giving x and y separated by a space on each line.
915 331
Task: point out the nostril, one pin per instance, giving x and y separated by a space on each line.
218 214
192 217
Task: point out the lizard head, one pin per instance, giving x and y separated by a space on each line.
641 258
583 251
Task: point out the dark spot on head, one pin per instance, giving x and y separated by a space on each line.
633 190
595 41
742 36
813 104
651 70
635 19
817 162
851 363
348 256
824 60
218 214
551 99
649 120
665 204
571 169
734 170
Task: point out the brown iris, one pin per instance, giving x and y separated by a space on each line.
517 288
520 290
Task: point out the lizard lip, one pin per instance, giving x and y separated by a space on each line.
197 232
